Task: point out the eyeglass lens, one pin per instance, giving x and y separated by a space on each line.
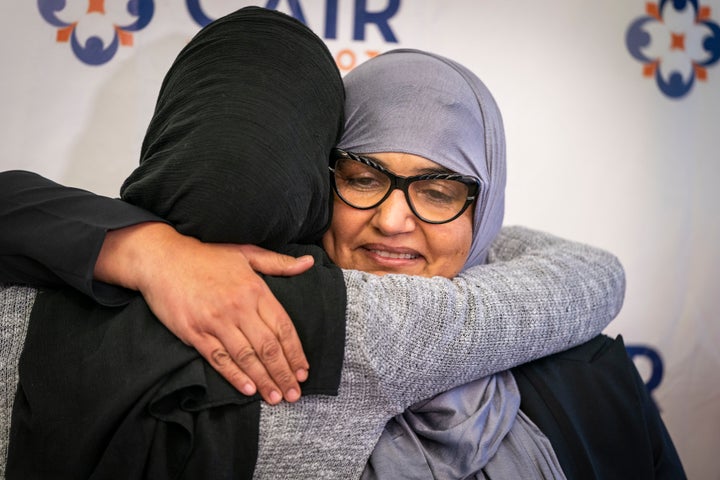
434 200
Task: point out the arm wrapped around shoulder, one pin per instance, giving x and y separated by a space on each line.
561 276
539 295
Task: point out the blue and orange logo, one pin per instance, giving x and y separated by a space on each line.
96 29
677 42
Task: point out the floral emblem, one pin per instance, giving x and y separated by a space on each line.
676 41
96 29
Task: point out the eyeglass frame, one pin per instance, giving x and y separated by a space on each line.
403 183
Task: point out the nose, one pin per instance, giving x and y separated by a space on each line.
393 216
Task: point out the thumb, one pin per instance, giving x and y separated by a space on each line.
273 263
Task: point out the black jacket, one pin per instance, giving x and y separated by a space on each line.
600 419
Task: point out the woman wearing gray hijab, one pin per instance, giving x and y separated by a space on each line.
420 107
426 105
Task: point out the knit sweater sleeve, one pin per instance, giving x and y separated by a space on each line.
409 338
538 294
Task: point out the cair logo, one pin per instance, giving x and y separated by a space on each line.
362 19
95 29
676 41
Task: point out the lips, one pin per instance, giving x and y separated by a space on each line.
385 252
394 255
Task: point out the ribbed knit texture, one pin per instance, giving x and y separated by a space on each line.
15 306
428 335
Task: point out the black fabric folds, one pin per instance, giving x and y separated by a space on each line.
238 148
237 152
108 393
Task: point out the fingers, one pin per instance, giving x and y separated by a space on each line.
267 352
243 369
273 263
215 302
283 330
265 364
221 361
275 359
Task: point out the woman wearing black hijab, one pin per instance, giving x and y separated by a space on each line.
124 398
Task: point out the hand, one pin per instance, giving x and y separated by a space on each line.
211 298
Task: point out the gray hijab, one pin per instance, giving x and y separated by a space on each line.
416 102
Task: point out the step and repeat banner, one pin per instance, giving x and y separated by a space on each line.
612 112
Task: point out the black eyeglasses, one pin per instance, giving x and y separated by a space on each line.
433 198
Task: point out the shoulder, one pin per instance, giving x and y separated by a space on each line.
590 402
601 357
597 374
598 349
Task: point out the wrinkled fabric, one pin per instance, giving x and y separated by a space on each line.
416 102
438 438
466 432
251 107
525 452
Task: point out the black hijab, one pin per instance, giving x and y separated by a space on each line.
237 151
238 148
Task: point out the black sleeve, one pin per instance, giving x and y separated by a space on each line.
51 234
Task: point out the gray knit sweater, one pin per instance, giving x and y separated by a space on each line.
408 338
15 306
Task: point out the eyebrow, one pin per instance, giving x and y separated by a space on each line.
422 171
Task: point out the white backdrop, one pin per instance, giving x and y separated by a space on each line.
598 151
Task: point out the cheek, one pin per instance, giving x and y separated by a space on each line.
328 243
452 247
344 227
332 239
466 233
341 219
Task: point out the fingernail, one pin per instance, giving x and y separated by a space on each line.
248 389
275 397
301 375
292 395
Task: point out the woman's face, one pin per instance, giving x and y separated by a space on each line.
390 238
